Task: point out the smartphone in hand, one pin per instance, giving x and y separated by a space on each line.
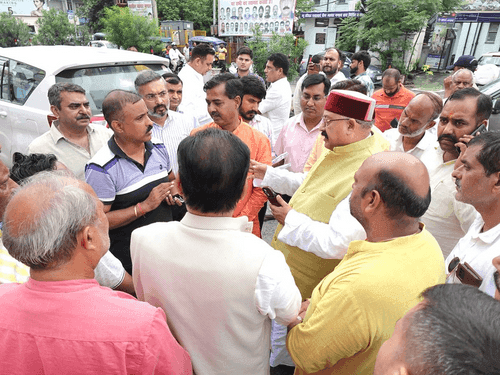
271 195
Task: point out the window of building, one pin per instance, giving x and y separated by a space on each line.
70 4
317 2
320 38
492 33
321 22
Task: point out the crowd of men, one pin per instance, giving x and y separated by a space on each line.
385 259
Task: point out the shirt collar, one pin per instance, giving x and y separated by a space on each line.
115 149
56 134
488 237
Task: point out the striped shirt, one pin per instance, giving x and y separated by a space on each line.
121 182
177 127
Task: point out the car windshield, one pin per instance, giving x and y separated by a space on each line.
491 88
489 60
98 81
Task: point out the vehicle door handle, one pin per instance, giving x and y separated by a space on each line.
3 114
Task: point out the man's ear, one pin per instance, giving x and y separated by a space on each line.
351 125
237 100
86 238
496 187
55 110
372 202
178 184
430 124
116 126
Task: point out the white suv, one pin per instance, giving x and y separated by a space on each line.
26 74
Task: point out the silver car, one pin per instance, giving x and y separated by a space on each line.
26 74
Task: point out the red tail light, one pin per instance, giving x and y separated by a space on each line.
51 119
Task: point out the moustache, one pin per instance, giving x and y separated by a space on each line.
82 117
160 106
214 114
150 127
323 133
449 137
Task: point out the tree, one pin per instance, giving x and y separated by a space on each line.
198 11
388 26
126 29
93 11
54 28
303 6
13 31
285 44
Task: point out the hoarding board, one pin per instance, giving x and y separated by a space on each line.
238 18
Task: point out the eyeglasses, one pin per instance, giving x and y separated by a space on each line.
151 97
315 98
328 122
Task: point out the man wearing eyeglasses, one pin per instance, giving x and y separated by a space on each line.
477 181
299 133
168 126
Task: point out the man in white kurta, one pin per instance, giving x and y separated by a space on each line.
219 285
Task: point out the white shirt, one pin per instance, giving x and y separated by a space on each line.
478 250
446 218
276 105
177 127
263 124
193 97
395 139
339 76
327 241
281 180
174 54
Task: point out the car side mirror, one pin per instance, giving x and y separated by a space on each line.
496 106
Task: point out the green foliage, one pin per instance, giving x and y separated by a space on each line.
388 26
93 11
13 31
284 44
348 34
198 11
126 29
54 28
303 6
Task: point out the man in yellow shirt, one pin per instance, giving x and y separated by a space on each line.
354 309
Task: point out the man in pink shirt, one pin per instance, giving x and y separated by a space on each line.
61 321
300 132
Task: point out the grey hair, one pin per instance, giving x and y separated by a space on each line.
48 238
145 77
460 71
56 89
365 124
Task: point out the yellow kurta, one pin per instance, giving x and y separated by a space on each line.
355 308
327 183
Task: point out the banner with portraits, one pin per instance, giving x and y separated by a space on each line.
239 17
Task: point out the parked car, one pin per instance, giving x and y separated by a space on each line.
493 90
26 74
488 68
374 71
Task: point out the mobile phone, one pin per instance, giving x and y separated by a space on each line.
179 198
271 195
466 274
480 129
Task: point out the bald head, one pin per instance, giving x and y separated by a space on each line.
461 79
419 114
44 217
401 180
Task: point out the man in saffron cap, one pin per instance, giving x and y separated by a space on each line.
349 141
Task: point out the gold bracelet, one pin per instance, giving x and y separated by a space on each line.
135 210
141 210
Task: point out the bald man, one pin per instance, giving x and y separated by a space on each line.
461 79
416 132
354 309
56 226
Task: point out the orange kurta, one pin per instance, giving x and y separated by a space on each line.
389 108
260 150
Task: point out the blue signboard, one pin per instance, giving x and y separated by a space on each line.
478 17
330 14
